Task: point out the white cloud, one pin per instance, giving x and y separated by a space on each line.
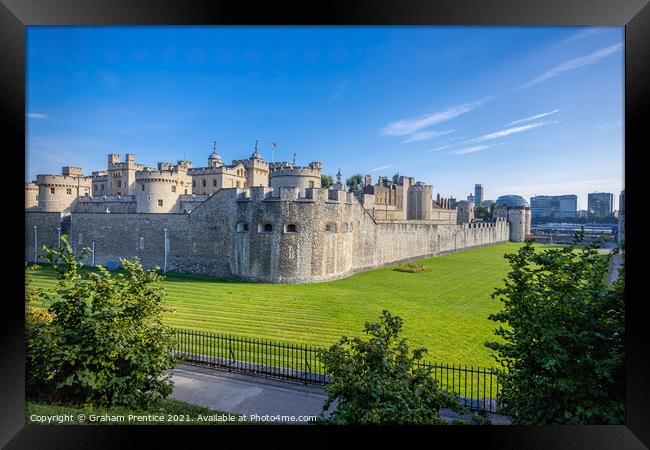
574 63
341 89
36 116
509 131
535 117
411 125
604 126
437 149
473 149
377 169
426 135
582 34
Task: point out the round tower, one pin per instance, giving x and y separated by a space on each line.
57 192
158 191
299 177
516 211
31 196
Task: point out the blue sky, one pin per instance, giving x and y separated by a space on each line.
521 110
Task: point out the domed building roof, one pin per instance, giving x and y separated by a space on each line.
511 201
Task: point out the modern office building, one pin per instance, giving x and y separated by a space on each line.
478 194
560 206
600 204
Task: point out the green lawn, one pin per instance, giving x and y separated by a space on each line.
445 308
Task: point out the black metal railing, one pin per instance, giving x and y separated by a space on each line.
476 387
291 362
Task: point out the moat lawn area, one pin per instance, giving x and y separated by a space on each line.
445 307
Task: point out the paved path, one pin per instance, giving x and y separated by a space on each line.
246 394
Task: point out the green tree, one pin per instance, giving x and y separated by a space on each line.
481 212
105 343
354 182
379 380
326 181
562 338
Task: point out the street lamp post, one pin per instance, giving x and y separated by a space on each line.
35 243
165 257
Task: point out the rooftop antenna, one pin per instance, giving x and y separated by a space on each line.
294 159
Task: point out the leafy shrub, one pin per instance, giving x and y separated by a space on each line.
379 381
105 343
410 268
562 338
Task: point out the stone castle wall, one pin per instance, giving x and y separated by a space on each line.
269 235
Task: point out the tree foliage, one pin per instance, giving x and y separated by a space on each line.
326 181
354 182
562 338
481 212
379 380
104 342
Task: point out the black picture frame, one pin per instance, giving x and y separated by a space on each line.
15 15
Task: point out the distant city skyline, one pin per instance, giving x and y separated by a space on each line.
520 110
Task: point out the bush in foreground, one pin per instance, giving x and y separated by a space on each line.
102 341
563 334
380 381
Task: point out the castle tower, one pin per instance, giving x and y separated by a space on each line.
56 193
299 177
120 178
464 212
31 196
516 211
420 202
257 171
159 191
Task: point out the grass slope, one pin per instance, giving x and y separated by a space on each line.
444 308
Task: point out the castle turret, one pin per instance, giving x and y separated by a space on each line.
516 211
159 191
464 212
31 196
298 177
57 192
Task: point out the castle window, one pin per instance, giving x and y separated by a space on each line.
141 243
265 228
160 202
242 227
142 186
193 183
173 188
203 182
119 183
238 185
311 184
68 191
291 228
51 190
344 227
96 187
290 248
102 187
185 191
330 228
214 182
